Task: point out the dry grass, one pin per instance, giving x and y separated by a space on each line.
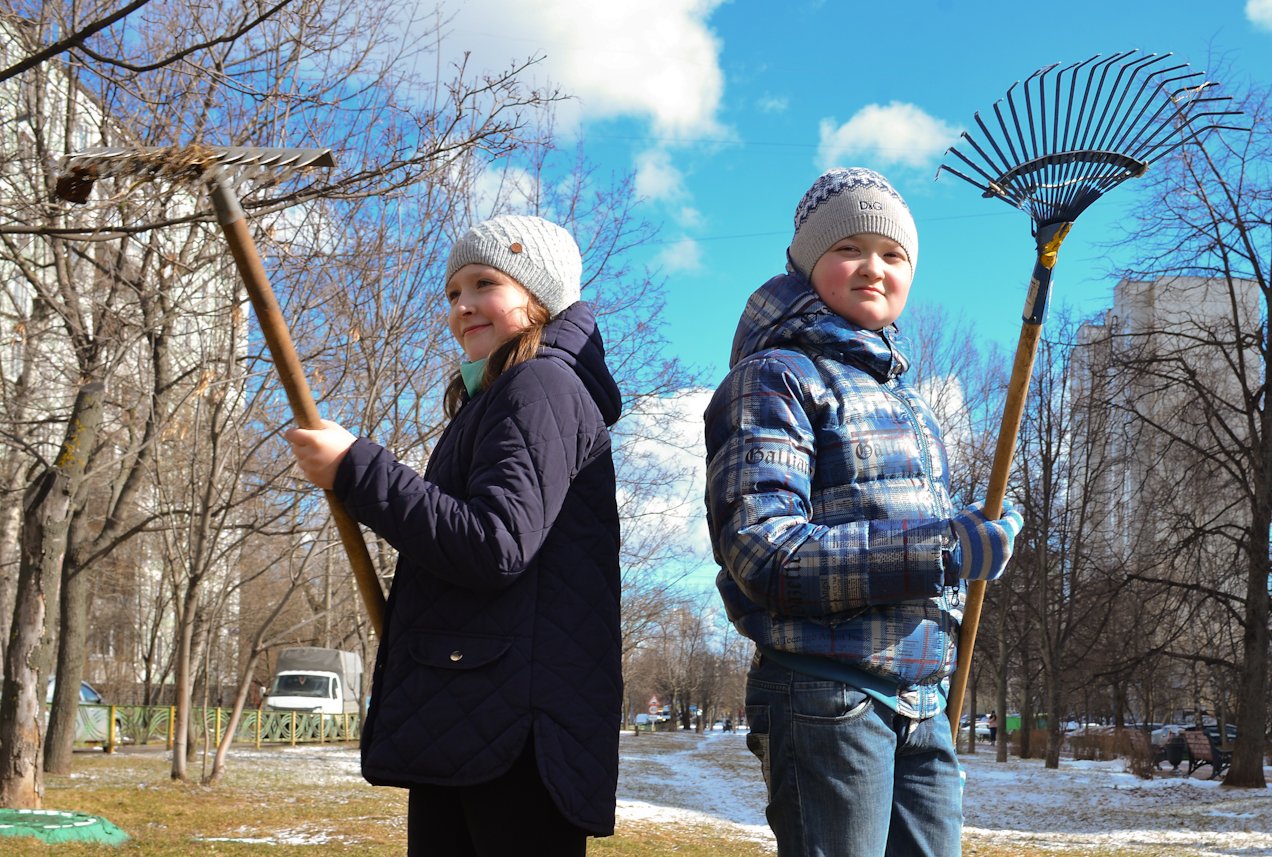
285 802
256 803
269 804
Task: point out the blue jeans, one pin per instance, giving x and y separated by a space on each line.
846 776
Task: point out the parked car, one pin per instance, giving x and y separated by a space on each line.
1213 731
982 726
90 719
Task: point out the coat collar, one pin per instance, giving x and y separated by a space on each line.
785 312
573 337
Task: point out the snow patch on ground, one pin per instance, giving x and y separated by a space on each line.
713 782
682 777
283 838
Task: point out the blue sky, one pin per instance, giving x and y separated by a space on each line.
727 111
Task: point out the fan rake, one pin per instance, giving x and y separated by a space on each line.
1053 147
220 169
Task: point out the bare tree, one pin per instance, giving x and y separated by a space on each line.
74 308
1203 230
1071 578
298 570
74 35
1145 620
685 661
247 87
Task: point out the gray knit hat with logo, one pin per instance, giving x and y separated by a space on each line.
535 252
845 202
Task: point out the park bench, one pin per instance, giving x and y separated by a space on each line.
1202 751
1144 753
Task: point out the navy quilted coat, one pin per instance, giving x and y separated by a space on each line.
503 619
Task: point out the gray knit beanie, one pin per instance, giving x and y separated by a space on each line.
536 253
845 202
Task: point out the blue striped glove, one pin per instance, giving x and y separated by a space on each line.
985 545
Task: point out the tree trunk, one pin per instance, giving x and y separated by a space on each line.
17 411
231 726
1247 755
183 689
1028 713
43 537
10 527
246 679
46 520
1000 693
59 743
1055 736
1118 688
72 604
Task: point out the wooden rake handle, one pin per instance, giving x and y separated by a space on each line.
1049 239
287 362
1009 429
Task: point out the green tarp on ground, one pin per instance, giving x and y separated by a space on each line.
53 825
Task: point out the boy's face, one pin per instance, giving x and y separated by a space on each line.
865 278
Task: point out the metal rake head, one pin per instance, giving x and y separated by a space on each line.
231 164
1070 134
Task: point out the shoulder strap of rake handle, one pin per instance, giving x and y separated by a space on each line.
1049 239
287 362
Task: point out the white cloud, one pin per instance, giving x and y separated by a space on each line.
656 177
1260 13
684 254
649 59
689 217
509 190
666 437
773 104
895 133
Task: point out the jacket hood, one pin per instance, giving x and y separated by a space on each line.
572 336
785 312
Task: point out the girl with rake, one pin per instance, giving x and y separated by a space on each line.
497 681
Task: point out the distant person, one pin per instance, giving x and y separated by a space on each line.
497 684
841 556
992 724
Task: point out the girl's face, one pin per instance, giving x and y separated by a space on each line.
865 278
487 307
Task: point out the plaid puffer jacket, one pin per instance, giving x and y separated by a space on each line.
503 621
827 493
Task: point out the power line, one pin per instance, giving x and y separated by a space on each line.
785 232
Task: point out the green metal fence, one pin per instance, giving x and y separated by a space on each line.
113 725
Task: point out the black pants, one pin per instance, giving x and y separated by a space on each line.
513 814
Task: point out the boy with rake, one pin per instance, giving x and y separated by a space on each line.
841 556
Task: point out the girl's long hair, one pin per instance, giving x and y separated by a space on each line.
520 347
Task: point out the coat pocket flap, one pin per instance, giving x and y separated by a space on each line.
457 651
